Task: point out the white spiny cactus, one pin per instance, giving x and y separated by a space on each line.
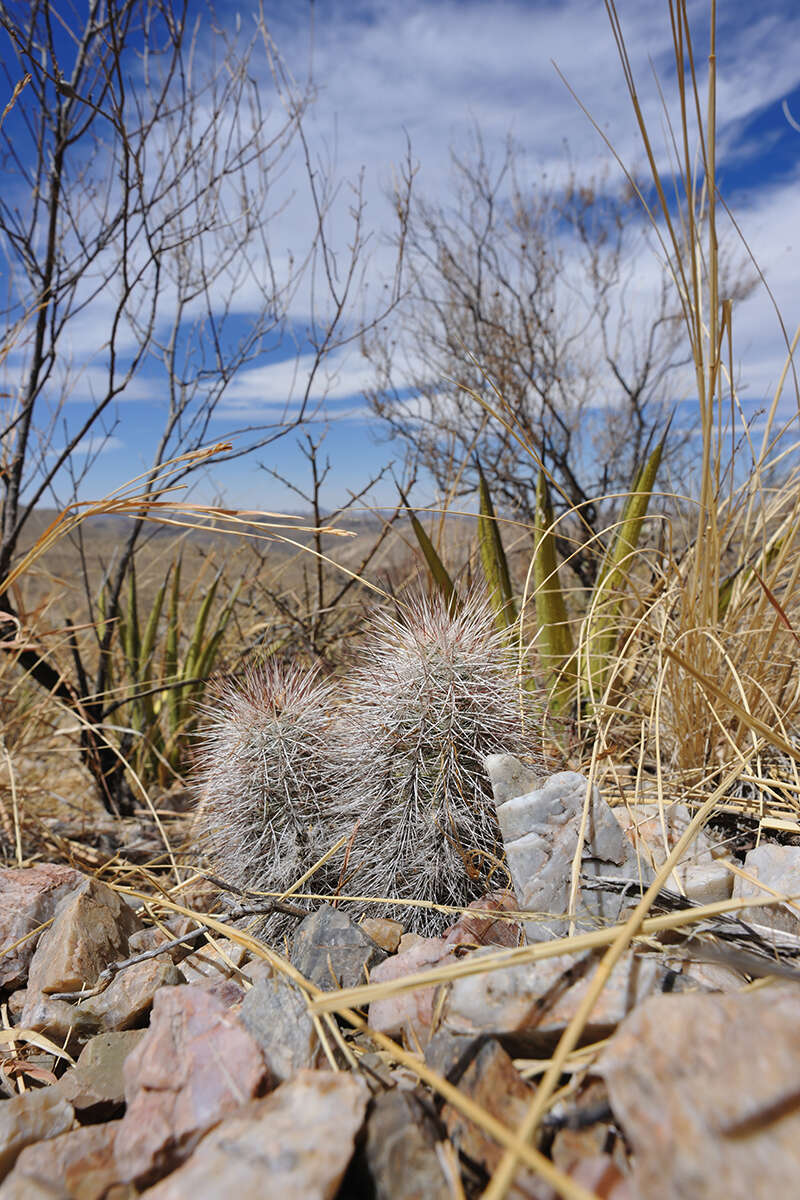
266 771
434 693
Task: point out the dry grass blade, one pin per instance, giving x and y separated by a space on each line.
364 994
9 1036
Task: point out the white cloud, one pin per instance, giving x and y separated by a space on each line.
432 70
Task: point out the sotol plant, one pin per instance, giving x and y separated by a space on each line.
434 693
266 772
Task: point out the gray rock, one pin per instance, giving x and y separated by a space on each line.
29 1118
129 996
778 867
296 1144
95 1086
400 1151
653 833
275 1014
449 1053
332 951
529 1006
540 830
509 777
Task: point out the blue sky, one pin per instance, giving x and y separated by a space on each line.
431 70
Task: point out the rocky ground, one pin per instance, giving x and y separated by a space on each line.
153 1045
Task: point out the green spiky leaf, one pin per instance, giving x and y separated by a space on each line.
493 559
438 570
556 648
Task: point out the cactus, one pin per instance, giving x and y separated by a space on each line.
434 693
266 770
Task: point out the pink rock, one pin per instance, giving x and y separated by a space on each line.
82 1161
29 1118
493 1082
705 1089
28 898
294 1145
408 1011
195 1066
478 927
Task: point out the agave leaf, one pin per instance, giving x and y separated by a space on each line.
129 629
203 651
555 643
170 675
145 679
151 629
437 568
606 602
196 640
493 558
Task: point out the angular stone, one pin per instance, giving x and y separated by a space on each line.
540 830
332 951
28 898
295 1144
18 1187
78 1165
509 777
95 1086
129 997
529 1005
90 928
195 1065
709 977
35 1116
705 1090
478 926
64 1023
493 1082
151 937
400 1151
16 1004
409 1013
383 931
275 1013
779 868
449 1054
699 876
213 963
584 1139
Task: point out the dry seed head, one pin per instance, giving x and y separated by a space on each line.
266 771
435 692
